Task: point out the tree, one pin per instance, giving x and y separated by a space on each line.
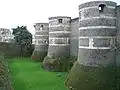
23 38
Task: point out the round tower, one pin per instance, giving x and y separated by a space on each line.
59 43
41 41
94 68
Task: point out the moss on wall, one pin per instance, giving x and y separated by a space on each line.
11 50
58 63
91 78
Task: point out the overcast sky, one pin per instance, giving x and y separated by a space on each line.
28 12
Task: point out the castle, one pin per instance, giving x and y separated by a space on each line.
61 32
5 35
92 34
93 37
98 60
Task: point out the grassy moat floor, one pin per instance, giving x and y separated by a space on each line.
28 75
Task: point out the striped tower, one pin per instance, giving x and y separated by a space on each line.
59 43
41 41
95 67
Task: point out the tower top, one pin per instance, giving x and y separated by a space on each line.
97 3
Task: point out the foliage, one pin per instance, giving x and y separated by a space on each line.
23 38
5 81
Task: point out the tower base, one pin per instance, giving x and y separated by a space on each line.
38 56
91 78
58 63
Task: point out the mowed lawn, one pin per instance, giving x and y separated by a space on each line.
28 75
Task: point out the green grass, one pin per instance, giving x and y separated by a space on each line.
28 75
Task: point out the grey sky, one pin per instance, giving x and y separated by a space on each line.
28 12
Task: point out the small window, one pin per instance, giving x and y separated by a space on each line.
101 7
41 26
60 20
46 42
68 41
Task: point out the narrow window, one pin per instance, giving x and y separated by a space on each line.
68 41
60 20
41 26
44 41
101 7
80 15
34 25
39 41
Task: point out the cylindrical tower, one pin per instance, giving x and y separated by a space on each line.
41 41
59 43
94 68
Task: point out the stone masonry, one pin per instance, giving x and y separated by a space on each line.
41 41
96 62
93 37
59 43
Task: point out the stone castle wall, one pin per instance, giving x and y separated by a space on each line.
95 67
41 37
97 33
118 36
59 36
74 37
69 38
41 41
88 36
